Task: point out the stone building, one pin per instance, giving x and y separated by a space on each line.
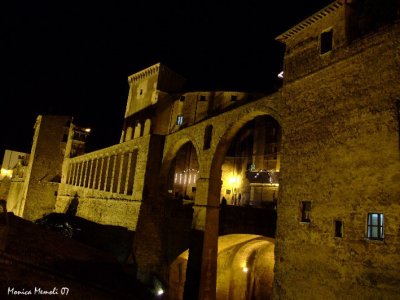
35 180
323 151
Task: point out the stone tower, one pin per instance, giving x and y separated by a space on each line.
43 174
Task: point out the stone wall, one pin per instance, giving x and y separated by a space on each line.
118 212
4 188
109 183
341 153
14 198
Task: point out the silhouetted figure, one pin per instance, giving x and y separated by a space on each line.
223 201
73 206
234 199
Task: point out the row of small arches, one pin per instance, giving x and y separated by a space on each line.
132 133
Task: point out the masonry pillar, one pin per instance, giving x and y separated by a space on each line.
203 250
94 177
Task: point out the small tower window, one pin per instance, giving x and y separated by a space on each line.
141 92
306 211
233 98
203 98
338 228
375 226
182 98
326 41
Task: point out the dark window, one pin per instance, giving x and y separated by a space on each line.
182 98
65 138
305 211
207 137
338 228
203 98
375 226
179 120
141 92
326 41
398 117
233 98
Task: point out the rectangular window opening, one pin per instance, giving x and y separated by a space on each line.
182 98
179 120
338 228
233 98
203 98
375 226
326 41
306 211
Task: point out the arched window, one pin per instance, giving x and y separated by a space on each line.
147 126
128 136
137 130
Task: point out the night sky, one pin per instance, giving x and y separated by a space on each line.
67 58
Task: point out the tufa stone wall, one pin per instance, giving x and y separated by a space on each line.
341 153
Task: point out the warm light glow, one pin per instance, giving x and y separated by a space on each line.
234 180
245 269
160 292
280 75
6 173
88 130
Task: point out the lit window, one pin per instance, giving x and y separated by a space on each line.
375 226
326 41
305 211
179 120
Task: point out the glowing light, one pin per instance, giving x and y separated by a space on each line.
280 75
245 269
160 291
88 130
6 173
176 177
234 180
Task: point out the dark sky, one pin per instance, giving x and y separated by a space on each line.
67 58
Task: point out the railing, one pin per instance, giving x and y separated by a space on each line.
111 170
263 176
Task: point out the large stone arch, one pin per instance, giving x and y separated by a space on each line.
238 118
227 134
160 236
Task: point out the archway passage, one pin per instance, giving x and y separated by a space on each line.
182 178
245 268
251 166
184 173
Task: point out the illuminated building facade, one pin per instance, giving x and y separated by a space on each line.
323 151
